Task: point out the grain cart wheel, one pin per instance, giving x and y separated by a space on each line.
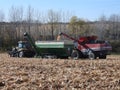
91 55
75 54
21 54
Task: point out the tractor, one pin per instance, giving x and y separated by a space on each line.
23 49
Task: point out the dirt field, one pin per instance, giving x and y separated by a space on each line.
46 74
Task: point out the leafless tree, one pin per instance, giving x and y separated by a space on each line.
30 18
13 18
65 20
16 17
101 27
53 20
38 23
16 14
114 26
2 16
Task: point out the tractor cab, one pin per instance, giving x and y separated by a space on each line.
24 44
25 49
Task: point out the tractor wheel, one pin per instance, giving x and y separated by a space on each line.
91 55
75 54
21 54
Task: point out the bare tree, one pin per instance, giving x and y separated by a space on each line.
16 17
38 23
114 26
16 14
53 20
65 20
30 17
13 18
101 27
2 16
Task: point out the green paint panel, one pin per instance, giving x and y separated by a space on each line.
60 49
50 45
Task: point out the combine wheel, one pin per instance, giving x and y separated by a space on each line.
91 55
75 54
21 54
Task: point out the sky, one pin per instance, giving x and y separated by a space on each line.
87 9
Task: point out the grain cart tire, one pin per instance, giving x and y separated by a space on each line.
91 55
75 54
21 54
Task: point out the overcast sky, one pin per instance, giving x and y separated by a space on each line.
87 9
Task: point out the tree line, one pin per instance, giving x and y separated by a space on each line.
47 25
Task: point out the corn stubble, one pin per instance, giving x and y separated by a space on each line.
56 74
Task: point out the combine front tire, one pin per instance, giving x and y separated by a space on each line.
91 55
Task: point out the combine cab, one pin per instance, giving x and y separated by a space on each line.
89 47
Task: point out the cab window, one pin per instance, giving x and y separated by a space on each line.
20 45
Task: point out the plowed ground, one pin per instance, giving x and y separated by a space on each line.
59 74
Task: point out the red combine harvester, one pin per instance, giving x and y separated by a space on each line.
89 47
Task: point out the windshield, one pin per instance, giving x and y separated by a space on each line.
24 45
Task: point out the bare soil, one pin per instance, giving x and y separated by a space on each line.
59 74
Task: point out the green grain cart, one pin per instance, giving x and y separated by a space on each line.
54 49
